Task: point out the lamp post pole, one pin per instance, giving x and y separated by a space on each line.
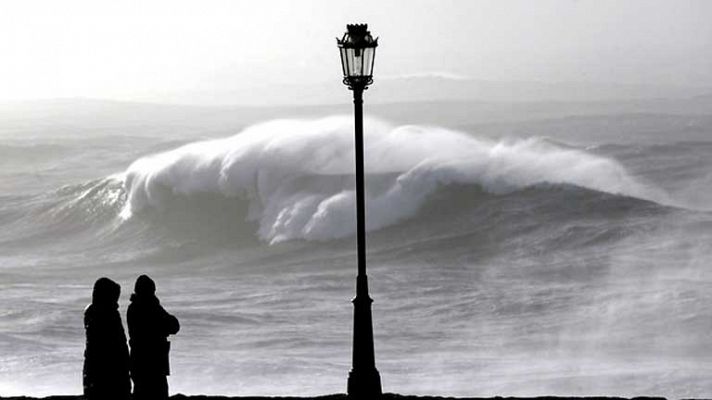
360 184
357 55
364 379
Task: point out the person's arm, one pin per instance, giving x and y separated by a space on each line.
170 323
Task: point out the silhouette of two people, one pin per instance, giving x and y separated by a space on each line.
108 363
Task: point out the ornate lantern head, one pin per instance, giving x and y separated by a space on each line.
358 51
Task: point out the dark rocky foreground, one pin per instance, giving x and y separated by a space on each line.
388 396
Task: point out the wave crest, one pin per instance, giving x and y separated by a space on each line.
296 175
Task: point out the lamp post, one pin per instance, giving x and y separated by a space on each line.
358 50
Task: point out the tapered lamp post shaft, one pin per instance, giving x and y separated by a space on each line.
360 182
364 379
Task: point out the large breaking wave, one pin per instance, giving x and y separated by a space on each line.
295 176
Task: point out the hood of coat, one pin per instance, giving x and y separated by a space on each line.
144 290
106 293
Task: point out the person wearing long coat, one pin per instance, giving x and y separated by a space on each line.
106 355
149 326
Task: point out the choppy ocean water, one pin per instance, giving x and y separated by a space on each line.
564 256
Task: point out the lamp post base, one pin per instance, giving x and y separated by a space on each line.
364 380
364 384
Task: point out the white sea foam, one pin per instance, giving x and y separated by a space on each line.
296 174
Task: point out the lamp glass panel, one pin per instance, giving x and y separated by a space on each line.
350 57
349 62
358 62
342 51
368 55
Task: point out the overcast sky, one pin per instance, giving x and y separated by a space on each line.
134 49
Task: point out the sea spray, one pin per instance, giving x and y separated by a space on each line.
295 175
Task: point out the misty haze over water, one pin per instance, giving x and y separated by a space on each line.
539 193
521 249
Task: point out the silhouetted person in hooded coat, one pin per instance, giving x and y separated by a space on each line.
106 356
149 327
